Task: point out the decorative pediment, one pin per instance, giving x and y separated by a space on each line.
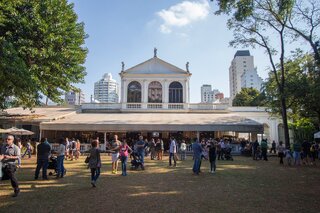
155 66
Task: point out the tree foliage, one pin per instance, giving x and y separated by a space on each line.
42 50
272 25
249 97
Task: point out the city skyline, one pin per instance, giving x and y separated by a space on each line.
182 31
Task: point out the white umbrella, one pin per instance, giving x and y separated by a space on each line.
317 135
3 131
17 131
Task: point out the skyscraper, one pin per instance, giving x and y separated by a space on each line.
106 90
251 79
241 63
74 98
208 95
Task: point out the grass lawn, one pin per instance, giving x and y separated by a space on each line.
242 185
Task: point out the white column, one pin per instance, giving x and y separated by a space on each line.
145 90
184 95
185 90
166 91
124 92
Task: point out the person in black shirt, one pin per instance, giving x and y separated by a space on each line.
212 157
306 151
43 152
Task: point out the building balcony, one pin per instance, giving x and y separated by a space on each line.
154 107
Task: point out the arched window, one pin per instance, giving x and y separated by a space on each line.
175 92
134 92
155 92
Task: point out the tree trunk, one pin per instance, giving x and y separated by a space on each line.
285 121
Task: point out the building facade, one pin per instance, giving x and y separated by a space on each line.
208 95
251 79
155 84
241 63
74 98
106 90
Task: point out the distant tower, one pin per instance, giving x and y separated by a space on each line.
208 95
241 63
106 90
74 98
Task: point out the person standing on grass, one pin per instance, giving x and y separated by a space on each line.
264 149
28 149
273 147
43 152
140 150
162 149
255 146
183 150
115 155
152 146
124 152
281 150
158 148
296 153
78 145
19 144
306 151
212 157
61 152
197 152
94 162
172 152
9 153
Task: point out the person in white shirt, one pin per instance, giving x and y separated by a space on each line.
61 152
183 150
172 152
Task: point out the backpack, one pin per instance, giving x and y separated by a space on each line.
73 145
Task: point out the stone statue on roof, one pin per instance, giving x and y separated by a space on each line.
155 52
187 66
122 68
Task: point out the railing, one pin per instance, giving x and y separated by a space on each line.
85 106
133 106
162 106
175 106
154 106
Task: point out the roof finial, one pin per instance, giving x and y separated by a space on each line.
155 52
187 66
122 66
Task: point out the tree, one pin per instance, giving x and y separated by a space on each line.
248 97
41 48
263 23
300 92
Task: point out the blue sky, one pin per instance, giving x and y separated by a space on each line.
182 31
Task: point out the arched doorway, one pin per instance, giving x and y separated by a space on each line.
155 92
175 92
134 92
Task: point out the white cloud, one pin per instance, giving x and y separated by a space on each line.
183 14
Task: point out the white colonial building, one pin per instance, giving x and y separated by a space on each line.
155 84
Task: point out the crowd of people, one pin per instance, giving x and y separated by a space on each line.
136 151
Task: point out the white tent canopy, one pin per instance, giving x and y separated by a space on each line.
317 135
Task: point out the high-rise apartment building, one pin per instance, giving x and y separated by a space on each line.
106 90
74 98
208 95
241 63
251 79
